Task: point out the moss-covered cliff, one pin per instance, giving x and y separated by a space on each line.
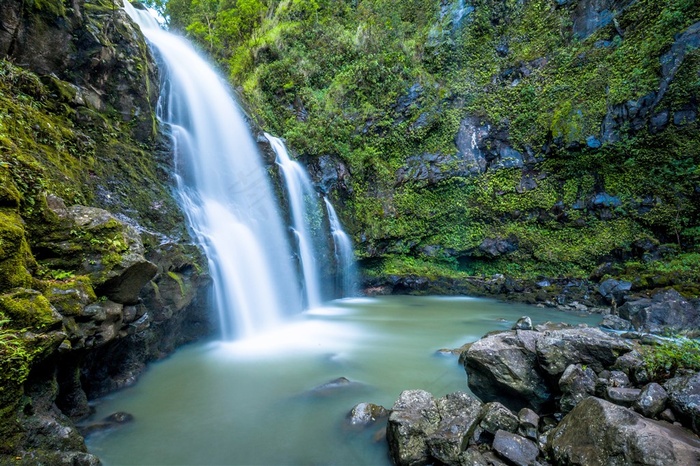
531 138
97 273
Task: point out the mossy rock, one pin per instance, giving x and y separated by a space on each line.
69 297
29 309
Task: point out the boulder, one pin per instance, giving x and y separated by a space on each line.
413 418
364 414
666 311
516 449
613 322
622 396
529 423
597 432
651 401
503 367
684 399
558 349
459 413
614 290
495 417
576 384
524 323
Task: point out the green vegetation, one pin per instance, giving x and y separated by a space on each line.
375 82
666 360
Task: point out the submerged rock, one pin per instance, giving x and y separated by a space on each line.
601 433
333 386
364 414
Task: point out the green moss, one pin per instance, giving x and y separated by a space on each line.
70 296
28 309
178 279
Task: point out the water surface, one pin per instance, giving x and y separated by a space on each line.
251 402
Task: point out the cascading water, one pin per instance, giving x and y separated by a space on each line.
346 276
303 202
224 190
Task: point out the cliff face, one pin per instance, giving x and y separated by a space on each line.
97 273
531 138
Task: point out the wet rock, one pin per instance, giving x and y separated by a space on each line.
623 396
503 367
516 449
684 117
333 386
599 432
120 418
470 142
473 457
459 413
413 418
666 311
529 423
494 247
495 416
632 364
364 414
558 349
614 290
651 401
524 323
576 384
684 399
614 322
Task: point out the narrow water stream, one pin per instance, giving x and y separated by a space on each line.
252 402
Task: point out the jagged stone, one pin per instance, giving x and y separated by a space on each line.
529 423
599 432
651 401
576 384
413 418
516 449
684 399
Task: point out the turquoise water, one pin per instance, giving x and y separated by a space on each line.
252 403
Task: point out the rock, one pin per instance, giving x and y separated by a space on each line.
503 367
529 423
494 247
667 415
597 432
684 399
495 416
576 384
333 386
524 323
413 418
623 396
651 401
618 379
516 449
459 413
557 349
473 457
614 290
632 364
666 311
614 322
364 414
470 141
684 117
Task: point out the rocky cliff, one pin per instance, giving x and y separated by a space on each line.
97 273
533 139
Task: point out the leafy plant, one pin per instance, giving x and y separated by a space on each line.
664 361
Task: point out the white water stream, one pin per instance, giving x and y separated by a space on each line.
224 190
344 255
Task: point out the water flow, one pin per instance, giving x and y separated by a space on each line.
344 256
224 189
303 202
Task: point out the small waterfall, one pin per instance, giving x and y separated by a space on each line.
224 190
346 276
304 206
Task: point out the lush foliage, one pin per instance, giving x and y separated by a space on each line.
666 360
373 82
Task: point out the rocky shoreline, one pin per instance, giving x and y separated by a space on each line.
558 394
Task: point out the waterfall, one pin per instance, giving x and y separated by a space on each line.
344 256
224 190
304 206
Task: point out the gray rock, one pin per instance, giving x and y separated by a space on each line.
494 247
470 142
576 384
623 396
614 322
495 416
364 414
413 418
524 323
614 290
665 311
459 413
503 367
632 364
651 401
597 432
684 399
684 117
472 457
618 379
529 423
516 449
558 349
333 386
